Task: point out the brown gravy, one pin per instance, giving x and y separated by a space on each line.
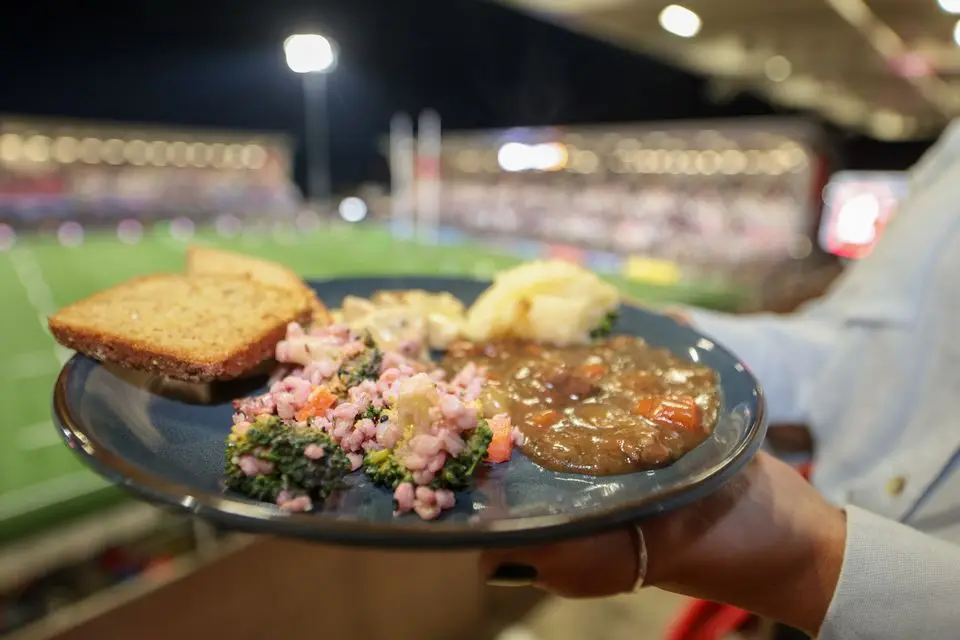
613 407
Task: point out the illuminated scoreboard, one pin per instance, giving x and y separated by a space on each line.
55 169
665 202
858 205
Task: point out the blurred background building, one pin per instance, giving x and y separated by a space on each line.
733 155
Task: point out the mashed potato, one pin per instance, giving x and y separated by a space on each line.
548 301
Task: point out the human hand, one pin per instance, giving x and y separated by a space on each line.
759 542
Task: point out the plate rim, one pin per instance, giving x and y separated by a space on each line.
250 516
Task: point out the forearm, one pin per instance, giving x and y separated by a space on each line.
793 583
834 576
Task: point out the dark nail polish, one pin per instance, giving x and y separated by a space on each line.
513 575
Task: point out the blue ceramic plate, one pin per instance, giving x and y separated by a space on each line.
136 433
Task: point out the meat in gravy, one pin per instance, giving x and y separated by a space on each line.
612 407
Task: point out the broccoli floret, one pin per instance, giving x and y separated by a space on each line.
605 328
456 473
270 440
363 366
384 470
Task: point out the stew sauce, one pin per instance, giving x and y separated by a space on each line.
612 407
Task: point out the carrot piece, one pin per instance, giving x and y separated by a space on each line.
645 407
545 418
593 371
501 446
319 401
680 411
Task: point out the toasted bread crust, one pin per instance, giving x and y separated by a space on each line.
203 259
131 355
113 347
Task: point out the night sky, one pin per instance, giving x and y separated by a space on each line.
219 63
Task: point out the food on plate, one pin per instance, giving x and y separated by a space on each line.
400 319
532 365
552 301
615 406
394 415
286 463
203 260
196 328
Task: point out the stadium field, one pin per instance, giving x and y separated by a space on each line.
40 481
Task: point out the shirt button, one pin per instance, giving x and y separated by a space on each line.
896 485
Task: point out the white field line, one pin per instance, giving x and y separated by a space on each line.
30 275
37 436
31 498
21 501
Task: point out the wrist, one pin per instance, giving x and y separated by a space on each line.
788 574
817 581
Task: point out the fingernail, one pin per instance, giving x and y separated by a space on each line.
513 575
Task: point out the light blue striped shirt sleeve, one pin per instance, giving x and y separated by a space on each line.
785 353
895 583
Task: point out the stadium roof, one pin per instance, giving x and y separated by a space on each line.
888 68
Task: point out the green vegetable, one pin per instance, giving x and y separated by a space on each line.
373 413
269 439
605 328
363 366
456 473
383 468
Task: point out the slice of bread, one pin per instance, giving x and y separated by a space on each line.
197 328
206 260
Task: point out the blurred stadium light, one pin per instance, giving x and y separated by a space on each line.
100 174
680 21
693 203
885 67
310 53
950 6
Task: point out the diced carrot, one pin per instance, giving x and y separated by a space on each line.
646 406
681 411
501 446
593 371
317 404
545 418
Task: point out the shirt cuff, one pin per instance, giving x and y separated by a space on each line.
895 583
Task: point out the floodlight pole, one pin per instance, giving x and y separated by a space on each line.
314 56
317 137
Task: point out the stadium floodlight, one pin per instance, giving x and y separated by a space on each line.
949 6
680 21
313 56
310 53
